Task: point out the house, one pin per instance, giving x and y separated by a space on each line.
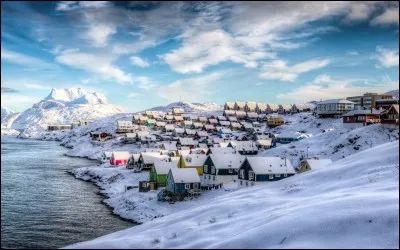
220 169
190 132
229 106
160 125
213 121
250 107
143 120
202 151
224 131
148 139
119 158
261 108
177 111
146 160
209 127
224 123
288 137
313 164
135 119
245 147
262 118
221 118
150 114
169 128
188 142
159 172
247 126
193 161
105 156
239 106
240 115
229 113
186 117
197 125
235 126
272 108
275 120
284 108
169 119
133 161
178 119
125 127
304 107
103 136
130 137
365 117
257 170
150 123
201 135
203 119
333 108
252 116
182 182
187 124
264 143
221 150
385 103
179 131
390 117
232 119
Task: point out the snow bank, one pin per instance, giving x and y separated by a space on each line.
353 203
9 131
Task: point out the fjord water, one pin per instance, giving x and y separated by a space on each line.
42 206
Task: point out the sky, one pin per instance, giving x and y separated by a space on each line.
146 54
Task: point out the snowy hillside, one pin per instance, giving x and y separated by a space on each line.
353 203
201 108
63 106
393 92
5 112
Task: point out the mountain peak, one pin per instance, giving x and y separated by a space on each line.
66 95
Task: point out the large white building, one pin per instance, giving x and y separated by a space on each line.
333 108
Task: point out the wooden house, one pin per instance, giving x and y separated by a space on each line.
261 108
150 123
232 119
133 161
182 182
252 116
130 137
125 127
193 161
213 121
178 119
239 106
201 135
224 131
119 158
177 111
264 143
313 164
160 125
179 131
203 119
391 116
224 123
274 121
143 120
367 116
220 169
229 106
169 128
288 137
159 172
190 132
229 113
245 147
146 160
105 157
186 142
197 125
209 128
169 119
235 126
241 115
250 107
261 170
187 124
221 150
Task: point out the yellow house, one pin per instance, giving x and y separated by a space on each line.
275 121
193 161
313 164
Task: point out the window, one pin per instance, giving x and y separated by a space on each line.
230 170
271 176
251 175
242 173
241 182
209 177
247 183
214 177
277 175
212 170
195 185
205 168
187 186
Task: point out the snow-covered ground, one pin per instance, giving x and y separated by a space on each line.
353 203
9 131
132 204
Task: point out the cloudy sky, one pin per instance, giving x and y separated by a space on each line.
145 54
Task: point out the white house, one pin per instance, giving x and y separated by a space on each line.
125 127
333 108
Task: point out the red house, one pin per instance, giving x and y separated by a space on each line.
119 158
391 116
367 116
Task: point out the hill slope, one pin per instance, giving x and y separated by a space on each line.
393 92
353 203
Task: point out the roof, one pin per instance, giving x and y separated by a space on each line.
240 113
270 165
286 106
190 131
151 157
335 101
170 145
225 131
184 151
194 160
209 126
107 154
224 123
143 118
130 135
178 118
212 121
169 127
262 106
160 124
223 144
185 175
318 164
229 112
198 124
151 121
273 107
251 105
247 125
240 104
179 130
363 112
233 161
222 150
230 104
221 118
203 118
202 133
124 123
121 154
177 110
252 114
163 167
245 145
203 145
187 141
236 125
264 142
187 122
395 107
142 133
232 118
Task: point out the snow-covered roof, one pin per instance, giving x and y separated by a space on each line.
245 145
160 124
190 131
178 118
252 114
262 106
264 142
331 101
193 117
194 160
209 126
202 133
185 115
247 125
229 112
169 127
171 145
223 144
143 118
212 121
363 112
222 150
179 130
124 123
273 107
199 150
225 131
198 124
395 107
151 121
251 105
187 141
184 151
163 167
240 113
169 117
178 110
187 122
270 165
232 118
224 123
229 161
130 135
142 133
286 106
107 154
120 155
185 175
236 125
303 106
263 137
240 104
230 104
221 118
203 119
203 145
318 164
151 157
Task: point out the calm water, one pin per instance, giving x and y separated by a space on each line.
42 206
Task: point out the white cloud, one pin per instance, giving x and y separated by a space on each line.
99 34
133 94
324 87
279 70
71 5
137 61
18 103
99 66
389 16
194 89
359 11
35 86
387 58
21 59
145 83
352 53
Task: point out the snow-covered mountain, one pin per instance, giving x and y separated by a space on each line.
353 203
5 112
191 107
394 93
64 106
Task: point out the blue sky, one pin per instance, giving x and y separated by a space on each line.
145 54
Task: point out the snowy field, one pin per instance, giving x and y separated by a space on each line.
353 203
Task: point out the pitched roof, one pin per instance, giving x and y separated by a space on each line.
273 107
335 101
213 121
270 165
124 123
286 106
161 124
236 125
222 150
121 154
229 112
198 124
240 113
233 161
209 126
179 130
187 122
178 118
264 142
252 114
224 123
185 175
169 127
151 157
318 164
262 106
187 141
130 135
194 160
232 118
225 131
221 118
245 145
170 145
241 104
363 112
230 104
292 134
190 131
202 133
163 167
251 105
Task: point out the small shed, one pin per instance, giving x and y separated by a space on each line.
119 158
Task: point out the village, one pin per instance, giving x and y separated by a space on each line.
186 154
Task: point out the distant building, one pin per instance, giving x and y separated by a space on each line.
391 116
367 100
334 108
362 116
59 127
385 103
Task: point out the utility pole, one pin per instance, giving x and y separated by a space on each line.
307 151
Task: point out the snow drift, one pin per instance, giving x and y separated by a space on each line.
352 203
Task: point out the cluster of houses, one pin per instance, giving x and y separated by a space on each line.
63 127
266 108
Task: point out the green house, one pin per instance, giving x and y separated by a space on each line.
159 171
150 123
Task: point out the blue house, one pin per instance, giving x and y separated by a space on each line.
288 137
182 182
